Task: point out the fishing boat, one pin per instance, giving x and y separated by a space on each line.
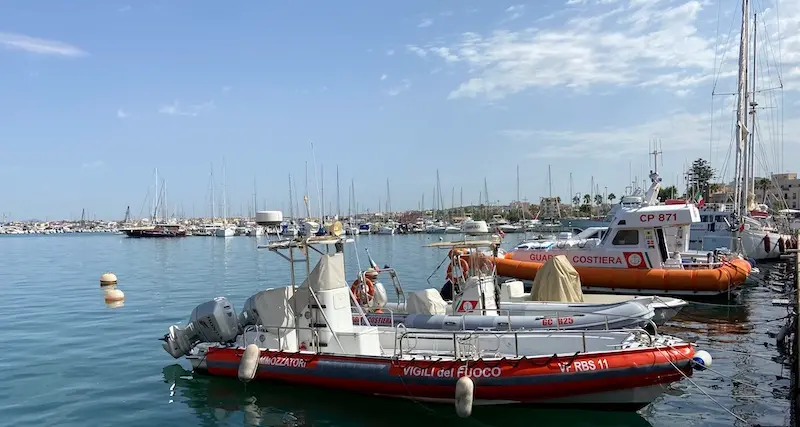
474 298
304 335
645 250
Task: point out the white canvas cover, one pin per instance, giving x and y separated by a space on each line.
427 301
273 309
557 281
327 275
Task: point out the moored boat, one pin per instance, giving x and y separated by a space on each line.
305 335
644 250
159 230
473 298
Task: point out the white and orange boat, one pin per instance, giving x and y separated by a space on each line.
645 250
305 335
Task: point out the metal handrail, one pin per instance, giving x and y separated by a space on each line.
462 336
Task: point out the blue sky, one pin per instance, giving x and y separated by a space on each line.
95 95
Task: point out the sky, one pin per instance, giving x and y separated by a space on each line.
96 95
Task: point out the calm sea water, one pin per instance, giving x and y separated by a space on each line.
69 360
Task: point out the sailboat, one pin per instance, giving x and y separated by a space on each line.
747 228
160 228
227 230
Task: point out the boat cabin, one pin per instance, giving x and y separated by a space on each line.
642 237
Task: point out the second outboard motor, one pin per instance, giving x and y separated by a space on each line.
212 321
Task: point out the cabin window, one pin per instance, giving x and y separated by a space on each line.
703 218
626 238
662 243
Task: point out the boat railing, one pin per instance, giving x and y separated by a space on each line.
472 339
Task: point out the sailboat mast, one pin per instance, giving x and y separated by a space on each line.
751 191
740 171
155 198
322 194
213 190
338 199
549 180
291 201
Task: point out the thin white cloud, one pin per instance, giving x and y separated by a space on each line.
515 11
446 13
93 165
417 50
389 52
125 8
384 77
175 109
404 85
25 43
226 89
121 114
645 43
425 23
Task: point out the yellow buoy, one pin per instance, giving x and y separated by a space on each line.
108 279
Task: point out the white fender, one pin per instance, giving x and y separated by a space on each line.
465 390
248 365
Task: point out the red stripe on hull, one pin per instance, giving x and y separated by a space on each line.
547 377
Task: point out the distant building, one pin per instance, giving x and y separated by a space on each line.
789 187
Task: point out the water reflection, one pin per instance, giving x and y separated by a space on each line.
225 401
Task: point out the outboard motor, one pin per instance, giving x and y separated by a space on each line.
212 321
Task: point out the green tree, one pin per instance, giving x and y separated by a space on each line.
699 176
611 197
586 208
598 199
587 199
576 200
665 193
763 184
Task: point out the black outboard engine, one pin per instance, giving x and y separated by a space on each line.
212 321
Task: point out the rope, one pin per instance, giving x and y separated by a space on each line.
669 359
753 386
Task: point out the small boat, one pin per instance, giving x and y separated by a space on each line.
305 336
645 250
365 228
159 230
225 231
469 299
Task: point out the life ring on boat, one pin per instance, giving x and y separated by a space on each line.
464 269
767 246
781 245
370 289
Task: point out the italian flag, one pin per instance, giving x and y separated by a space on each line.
700 201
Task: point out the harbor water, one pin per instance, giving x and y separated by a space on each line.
70 360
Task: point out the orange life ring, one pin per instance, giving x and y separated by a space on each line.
464 269
370 287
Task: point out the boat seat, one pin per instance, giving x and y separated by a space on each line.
513 290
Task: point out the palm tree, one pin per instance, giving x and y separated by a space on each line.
763 184
598 199
587 199
576 200
611 197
